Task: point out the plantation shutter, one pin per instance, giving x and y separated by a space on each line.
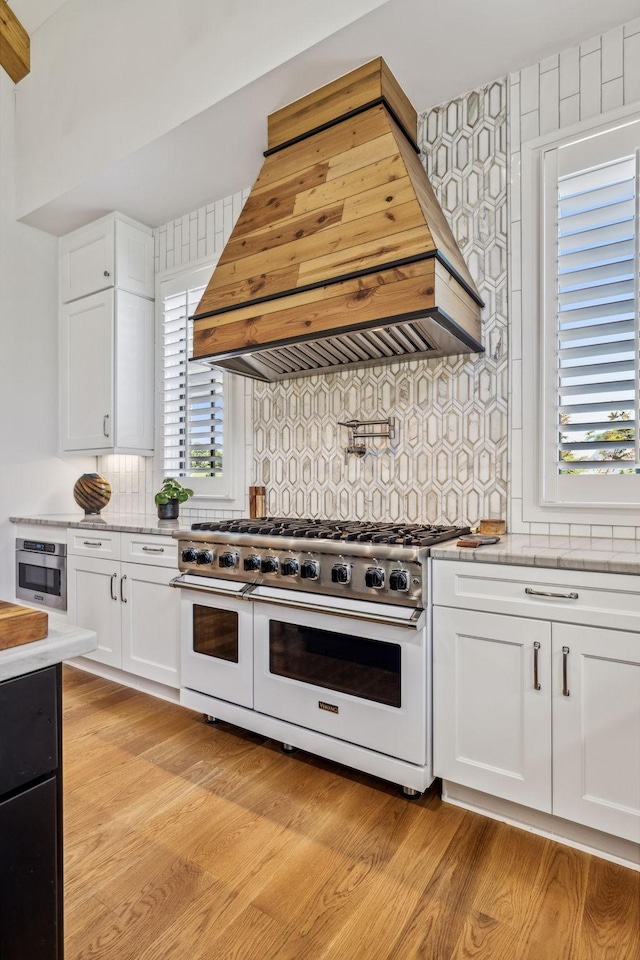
193 401
596 305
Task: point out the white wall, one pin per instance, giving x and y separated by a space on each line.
583 82
33 480
108 78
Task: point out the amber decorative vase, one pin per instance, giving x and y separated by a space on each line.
92 492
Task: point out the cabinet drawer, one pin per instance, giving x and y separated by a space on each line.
151 549
93 543
28 728
596 599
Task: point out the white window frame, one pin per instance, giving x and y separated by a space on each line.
611 502
229 492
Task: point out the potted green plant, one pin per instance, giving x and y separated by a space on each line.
169 498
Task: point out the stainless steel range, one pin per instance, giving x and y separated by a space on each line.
315 633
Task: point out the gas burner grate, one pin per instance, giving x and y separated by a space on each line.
405 534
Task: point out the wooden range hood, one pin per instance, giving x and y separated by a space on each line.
341 256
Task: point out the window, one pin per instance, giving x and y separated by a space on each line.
587 291
202 409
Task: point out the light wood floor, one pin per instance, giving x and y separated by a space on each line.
189 842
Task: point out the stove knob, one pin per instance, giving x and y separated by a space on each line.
190 555
227 559
289 567
340 573
398 580
252 562
205 556
310 570
374 577
270 565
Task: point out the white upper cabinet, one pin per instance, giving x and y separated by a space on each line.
112 252
107 339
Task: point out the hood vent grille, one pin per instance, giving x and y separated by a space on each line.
341 256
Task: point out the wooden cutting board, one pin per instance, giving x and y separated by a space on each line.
21 625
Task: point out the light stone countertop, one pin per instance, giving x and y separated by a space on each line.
123 523
63 642
599 554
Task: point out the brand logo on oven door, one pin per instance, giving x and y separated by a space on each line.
329 707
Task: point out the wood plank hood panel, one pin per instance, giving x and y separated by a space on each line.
341 256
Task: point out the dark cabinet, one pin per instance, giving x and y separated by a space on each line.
31 817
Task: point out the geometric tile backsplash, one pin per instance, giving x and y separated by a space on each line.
448 463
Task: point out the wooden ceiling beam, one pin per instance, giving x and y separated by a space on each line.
15 55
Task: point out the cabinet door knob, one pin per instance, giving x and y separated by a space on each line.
107 274
122 596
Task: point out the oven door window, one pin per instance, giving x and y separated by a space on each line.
368 669
215 633
42 579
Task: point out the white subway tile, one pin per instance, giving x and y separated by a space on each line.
569 72
202 249
162 249
624 533
516 258
529 89
589 46
612 94
516 464
569 111
516 394
632 68
202 223
517 524
539 528
170 236
632 27
590 85
580 530
551 63
514 117
559 529
513 79
612 54
601 530
515 182
549 102
530 126
193 237
515 329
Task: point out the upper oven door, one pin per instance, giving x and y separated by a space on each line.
363 681
216 640
41 578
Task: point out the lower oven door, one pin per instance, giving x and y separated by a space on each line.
362 681
216 640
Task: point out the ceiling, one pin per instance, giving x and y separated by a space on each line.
437 52
33 13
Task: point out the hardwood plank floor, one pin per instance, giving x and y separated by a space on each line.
189 842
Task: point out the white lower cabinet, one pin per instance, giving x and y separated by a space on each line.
596 728
492 704
131 606
541 712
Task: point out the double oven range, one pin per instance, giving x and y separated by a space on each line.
315 633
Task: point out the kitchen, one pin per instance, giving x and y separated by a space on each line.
454 460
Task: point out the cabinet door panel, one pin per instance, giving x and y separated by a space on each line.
30 921
596 738
150 623
134 382
87 373
92 584
492 728
134 260
87 261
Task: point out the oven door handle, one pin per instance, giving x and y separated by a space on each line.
414 623
244 594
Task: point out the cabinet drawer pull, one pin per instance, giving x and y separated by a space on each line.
105 425
153 549
122 596
565 661
536 681
92 543
113 577
548 593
